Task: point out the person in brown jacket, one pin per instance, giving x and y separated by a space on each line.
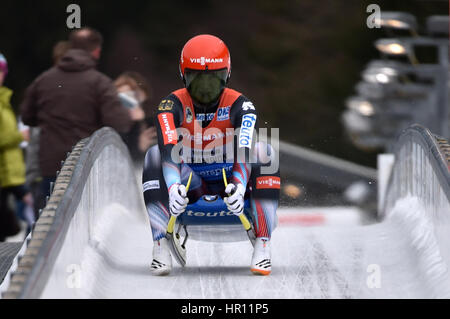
70 101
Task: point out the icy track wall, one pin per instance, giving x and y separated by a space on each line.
418 199
81 213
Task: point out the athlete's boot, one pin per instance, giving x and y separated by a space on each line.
261 263
162 260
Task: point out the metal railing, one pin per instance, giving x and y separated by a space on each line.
421 169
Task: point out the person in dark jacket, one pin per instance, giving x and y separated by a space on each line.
33 172
70 101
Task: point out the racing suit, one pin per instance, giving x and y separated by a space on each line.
209 139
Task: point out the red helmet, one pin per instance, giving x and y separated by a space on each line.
205 52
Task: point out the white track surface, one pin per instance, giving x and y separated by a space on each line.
334 259
316 252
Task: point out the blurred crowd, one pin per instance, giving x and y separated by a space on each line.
66 103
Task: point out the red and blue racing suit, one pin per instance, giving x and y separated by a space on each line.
212 136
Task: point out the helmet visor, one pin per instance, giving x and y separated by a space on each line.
205 86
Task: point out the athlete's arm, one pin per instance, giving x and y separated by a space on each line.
243 116
168 119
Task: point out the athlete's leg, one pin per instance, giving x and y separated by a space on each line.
265 191
156 199
265 183
156 195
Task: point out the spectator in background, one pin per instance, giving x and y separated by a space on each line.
148 136
12 166
33 173
59 50
133 91
70 101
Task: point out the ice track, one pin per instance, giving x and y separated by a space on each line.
93 240
308 262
